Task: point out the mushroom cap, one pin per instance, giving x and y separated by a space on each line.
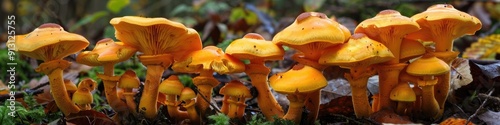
403 93
154 36
83 94
387 22
299 79
254 46
87 84
106 51
358 51
209 58
70 86
446 13
410 49
50 42
129 80
187 94
171 86
427 65
308 28
235 88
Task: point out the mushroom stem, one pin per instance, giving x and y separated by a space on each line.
110 89
443 85
388 79
313 100
172 106
430 107
147 105
225 105
258 74
295 108
129 99
191 110
358 84
375 102
241 108
403 108
54 70
205 83
233 107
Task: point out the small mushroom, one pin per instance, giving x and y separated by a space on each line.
235 94
83 95
298 83
127 82
405 97
189 98
172 88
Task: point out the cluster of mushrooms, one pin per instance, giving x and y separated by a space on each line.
388 44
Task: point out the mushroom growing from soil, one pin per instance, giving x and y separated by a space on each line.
207 61
189 98
83 95
127 82
442 23
388 27
298 83
50 43
172 88
235 94
427 67
310 34
404 95
358 54
161 41
256 49
107 53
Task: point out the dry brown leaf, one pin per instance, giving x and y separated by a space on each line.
460 75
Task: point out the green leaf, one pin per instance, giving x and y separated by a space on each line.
116 6
88 19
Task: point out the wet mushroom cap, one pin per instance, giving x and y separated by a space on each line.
403 93
49 42
358 51
129 80
427 65
301 79
156 35
235 88
311 27
106 51
209 58
254 46
171 86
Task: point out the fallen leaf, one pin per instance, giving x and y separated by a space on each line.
490 69
460 75
89 117
490 117
336 88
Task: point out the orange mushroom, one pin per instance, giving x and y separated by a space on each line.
442 23
172 88
298 83
256 49
388 27
83 96
127 82
235 94
427 67
358 54
107 53
207 61
310 34
51 43
188 97
405 97
161 41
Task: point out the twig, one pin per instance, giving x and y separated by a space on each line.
40 86
480 107
461 110
203 96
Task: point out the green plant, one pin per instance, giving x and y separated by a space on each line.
219 119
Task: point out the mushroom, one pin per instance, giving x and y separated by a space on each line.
298 83
107 53
375 102
405 97
358 54
441 23
70 87
83 96
127 82
388 27
51 43
172 88
256 49
188 97
161 41
427 67
235 94
310 34
207 61
410 49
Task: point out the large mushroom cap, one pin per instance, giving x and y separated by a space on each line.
447 14
106 51
358 51
311 27
403 93
129 80
386 21
235 88
300 79
254 46
171 86
427 65
154 36
209 58
49 42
